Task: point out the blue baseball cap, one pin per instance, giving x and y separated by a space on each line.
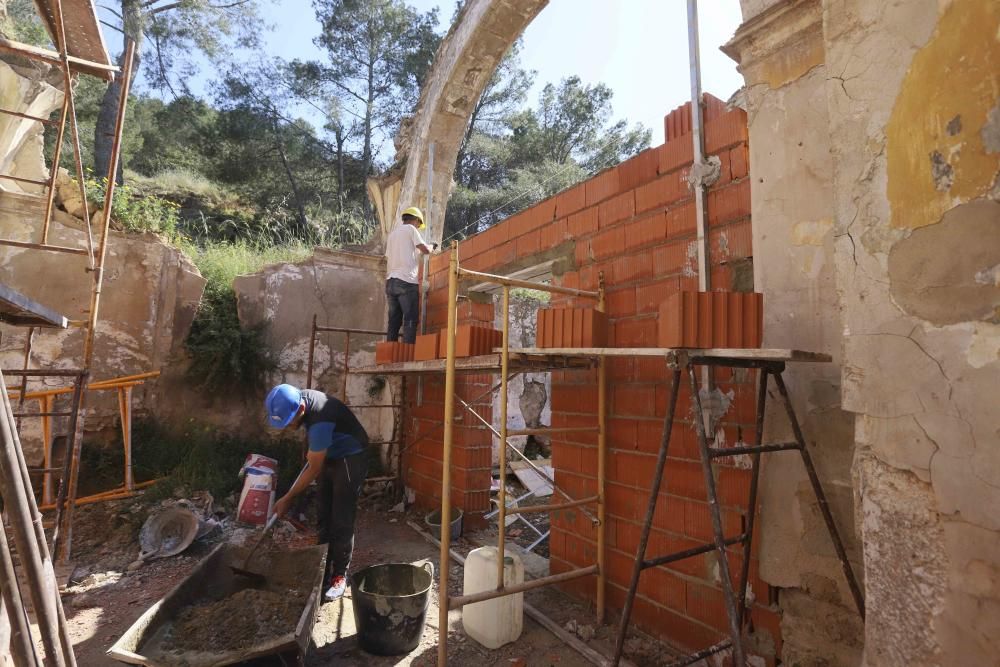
281 405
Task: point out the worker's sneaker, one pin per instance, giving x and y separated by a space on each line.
337 587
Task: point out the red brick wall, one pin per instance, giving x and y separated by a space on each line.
635 223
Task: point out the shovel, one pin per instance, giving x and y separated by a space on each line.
243 571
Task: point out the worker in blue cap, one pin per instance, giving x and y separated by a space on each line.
337 457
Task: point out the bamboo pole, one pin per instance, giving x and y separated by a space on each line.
449 434
125 412
56 155
312 351
21 646
45 405
504 363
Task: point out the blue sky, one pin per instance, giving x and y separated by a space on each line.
637 47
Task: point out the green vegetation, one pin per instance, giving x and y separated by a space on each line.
225 355
200 457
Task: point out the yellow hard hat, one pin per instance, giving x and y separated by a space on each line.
416 213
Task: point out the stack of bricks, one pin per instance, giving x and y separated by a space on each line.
393 352
571 327
712 319
636 224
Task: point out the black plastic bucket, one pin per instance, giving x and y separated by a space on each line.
390 606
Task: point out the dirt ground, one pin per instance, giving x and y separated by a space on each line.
103 601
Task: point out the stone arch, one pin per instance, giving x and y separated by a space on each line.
469 54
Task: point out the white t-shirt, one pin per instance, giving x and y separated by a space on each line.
401 253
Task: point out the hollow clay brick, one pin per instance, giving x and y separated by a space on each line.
720 320
753 319
705 332
384 351
690 320
735 323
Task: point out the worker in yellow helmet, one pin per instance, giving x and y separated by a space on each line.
401 285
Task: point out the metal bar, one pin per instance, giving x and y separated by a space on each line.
95 300
24 378
38 119
53 57
554 507
546 431
531 464
449 434
640 554
54 174
125 409
687 553
43 246
702 654
347 330
752 499
38 372
20 509
752 449
824 507
697 138
42 414
81 175
462 600
21 646
347 354
502 496
74 436
384 407
467 275
312 349
713 507
45 404
32 181
602 457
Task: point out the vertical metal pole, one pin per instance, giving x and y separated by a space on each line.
694 57
713 507
425 280
602 445
444 564
45 404
504 364
125 408
312 350
22 648
824 506
75 128
24 378
752 502
654 492
347 356
20 507
95 295
73 435
56 156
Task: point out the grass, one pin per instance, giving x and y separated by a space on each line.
179 181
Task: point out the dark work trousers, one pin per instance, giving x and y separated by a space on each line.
404 309
340 485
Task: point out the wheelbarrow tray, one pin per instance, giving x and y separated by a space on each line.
213 580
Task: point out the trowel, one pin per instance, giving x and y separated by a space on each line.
243 571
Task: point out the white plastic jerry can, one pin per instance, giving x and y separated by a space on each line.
499 621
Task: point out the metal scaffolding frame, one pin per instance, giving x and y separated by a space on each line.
53 13
509 362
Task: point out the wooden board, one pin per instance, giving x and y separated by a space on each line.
532 481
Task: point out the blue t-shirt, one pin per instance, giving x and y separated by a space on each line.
324 436
331 426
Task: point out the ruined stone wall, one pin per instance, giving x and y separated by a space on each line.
150 295
916 154
881 122
342 289
781 56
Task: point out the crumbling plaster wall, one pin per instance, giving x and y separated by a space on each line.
342 289
150 295
903 156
